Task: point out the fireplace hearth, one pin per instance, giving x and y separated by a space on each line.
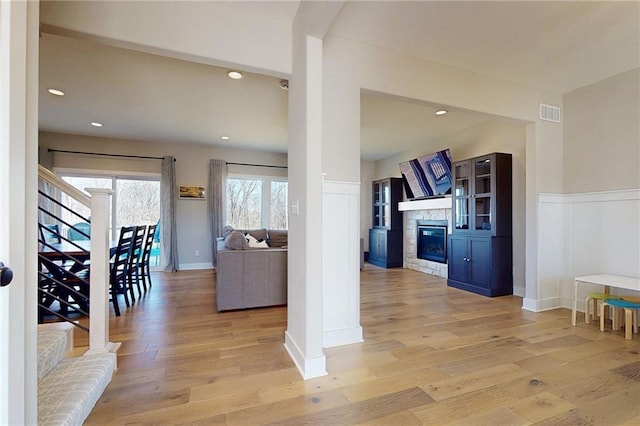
431 241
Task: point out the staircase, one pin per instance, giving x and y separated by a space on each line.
68 386
72 288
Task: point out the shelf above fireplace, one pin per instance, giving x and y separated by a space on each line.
428 204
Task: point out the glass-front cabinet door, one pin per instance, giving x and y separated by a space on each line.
381 204
482 172
473 194
462 195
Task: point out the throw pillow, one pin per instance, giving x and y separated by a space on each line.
255 243
235 240
226 231
277 238
258 234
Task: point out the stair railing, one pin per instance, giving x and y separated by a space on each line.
98 296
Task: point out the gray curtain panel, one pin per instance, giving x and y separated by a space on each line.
217 202
168 200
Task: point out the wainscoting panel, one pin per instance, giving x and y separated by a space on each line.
341 263
602 236
584 234
550 254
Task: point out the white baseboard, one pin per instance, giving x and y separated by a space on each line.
347 336
195 266
541 305
308 367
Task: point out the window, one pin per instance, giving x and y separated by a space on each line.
81 183
244 203
256 202
138 202
279 204
135 201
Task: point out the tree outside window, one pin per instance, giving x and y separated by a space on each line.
138 202
279 205
244 203
257 202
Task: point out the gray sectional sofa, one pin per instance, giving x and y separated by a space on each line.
252 277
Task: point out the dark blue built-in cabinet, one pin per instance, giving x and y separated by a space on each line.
480 246
385 238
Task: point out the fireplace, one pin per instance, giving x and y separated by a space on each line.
432 240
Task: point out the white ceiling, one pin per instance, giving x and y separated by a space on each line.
556 46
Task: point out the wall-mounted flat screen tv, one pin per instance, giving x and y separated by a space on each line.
427 176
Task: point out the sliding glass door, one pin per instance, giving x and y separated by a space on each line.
136 201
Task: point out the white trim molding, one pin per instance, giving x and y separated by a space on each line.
195 266
308 367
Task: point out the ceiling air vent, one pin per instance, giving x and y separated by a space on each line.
549 113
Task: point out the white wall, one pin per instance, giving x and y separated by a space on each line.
602 135
601 204
192 168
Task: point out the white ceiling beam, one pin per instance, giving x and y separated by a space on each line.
205 32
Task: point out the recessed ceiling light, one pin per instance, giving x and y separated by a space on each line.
56 92
96 124
225 138
441 112
234 75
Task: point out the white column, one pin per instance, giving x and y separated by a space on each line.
99 294
303 338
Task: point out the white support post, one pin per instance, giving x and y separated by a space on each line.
99 293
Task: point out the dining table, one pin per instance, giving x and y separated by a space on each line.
64 250
66 261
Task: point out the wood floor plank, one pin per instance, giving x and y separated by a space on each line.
498 416
319 384
461 406
393 383
431 355
474 381
541 406
282 412
404 418
366 410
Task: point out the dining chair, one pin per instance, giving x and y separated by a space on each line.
135 260
49 233
79 231
155 250
146 255
119 268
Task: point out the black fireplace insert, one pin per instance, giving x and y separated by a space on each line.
432 240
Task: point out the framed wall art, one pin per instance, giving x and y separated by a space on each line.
192 192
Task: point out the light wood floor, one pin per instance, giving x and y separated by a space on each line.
432 355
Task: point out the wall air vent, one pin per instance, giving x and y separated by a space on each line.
550 113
